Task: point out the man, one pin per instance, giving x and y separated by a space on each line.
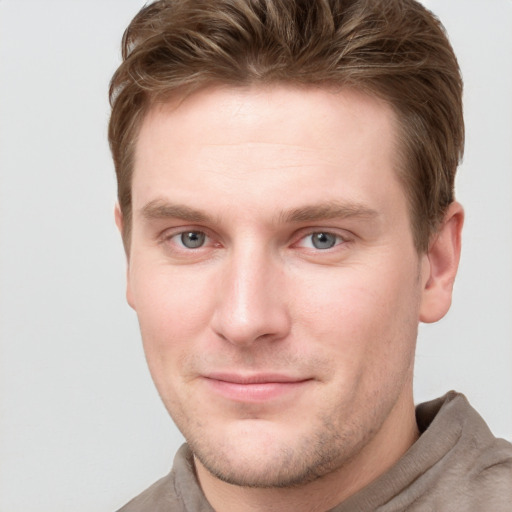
285 180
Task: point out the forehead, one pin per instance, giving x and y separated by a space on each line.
262 112
266 144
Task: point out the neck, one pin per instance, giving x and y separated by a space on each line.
382 451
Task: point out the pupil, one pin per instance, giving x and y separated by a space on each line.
192 239
323 240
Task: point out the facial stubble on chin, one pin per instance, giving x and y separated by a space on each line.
328 446
293 464
328 449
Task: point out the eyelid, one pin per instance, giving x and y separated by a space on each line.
341 233
168 234
343 237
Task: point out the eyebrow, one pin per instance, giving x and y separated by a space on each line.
328 210
161 209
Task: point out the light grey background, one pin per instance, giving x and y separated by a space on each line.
81 426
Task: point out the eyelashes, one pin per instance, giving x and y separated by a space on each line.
321 240
196 239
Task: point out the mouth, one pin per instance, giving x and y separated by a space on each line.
255 388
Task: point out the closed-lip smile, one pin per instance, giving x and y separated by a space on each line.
258 387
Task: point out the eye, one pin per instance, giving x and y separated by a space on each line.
321 240
192 239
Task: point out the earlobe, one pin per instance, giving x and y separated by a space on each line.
440 266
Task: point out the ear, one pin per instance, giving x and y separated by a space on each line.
118 215
118 218
440 266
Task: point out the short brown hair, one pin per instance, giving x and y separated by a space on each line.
394 49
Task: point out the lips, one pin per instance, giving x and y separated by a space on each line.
255 387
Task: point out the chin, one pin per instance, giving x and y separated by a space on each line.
281 471
267 460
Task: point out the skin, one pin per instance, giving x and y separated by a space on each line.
260 172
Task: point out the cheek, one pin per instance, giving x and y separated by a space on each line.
363 318
173 307
173 312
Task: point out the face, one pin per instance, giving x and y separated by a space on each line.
273 272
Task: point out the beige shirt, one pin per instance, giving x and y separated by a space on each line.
456 465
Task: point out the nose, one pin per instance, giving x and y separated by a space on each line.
252 299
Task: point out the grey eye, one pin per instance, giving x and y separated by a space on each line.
192 239
323 240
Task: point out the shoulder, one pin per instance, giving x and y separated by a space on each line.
473 470
178 491
480 479
491 474
161 496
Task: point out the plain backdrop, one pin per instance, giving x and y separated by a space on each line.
81 426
